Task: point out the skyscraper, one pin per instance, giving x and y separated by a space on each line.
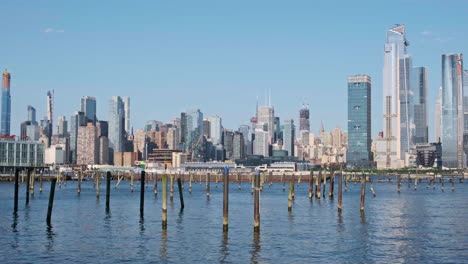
128 126
228 143
289 136
397 119
194 132
238 151
6 104
215 129
266 121
419 88
452 111
304 123
261 146
245 130
116 126
77 119
62 126
438 115
49 130
359 122
32 115
88 107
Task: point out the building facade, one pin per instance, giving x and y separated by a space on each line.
419 85
88 107
359 122
6 105
116 125
289 136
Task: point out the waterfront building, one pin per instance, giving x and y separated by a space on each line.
6 105
359 153
452 111
116 125
289 136
21 153
88 107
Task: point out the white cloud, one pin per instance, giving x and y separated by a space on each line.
53 30
426 33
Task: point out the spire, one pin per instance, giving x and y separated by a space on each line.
322 129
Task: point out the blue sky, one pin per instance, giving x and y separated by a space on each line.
219 56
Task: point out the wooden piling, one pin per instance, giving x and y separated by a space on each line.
415 184
181 193
190 182
142 193
33 179
311 184
453 183
372 187
108 182
332 183
15 208
208 186
340 193
226 199
28 182
40 183
324 184
171 187
409 180
97 175
363 192
80 175
319 185
399 183
155 183
293 191
51 201
132 175
282 180
164 201
442 181
290 196
257 202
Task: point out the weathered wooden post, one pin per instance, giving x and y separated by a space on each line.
399 183
15 208
363 192
28 181
238 181
415 183
40 182
257 202
208 186
190 182
80 175
442 181
226 199
346 183
164 201
324 183
319 185
311 184
271 179
155 184
340 193
332 183
409 179
282 180
293 191
290 196
33 176
131 180
51 200
453 183
97 175
142 192
108 182
171 187
181 193
372 187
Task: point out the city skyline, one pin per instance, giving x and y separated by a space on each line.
294 80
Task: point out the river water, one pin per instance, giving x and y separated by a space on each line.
423 226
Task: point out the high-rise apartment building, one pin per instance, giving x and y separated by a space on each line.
419 88
266 121
6 105
216 128
304 123
337 137
245 130
289 136
397 118
77 119
228 143
452 111
238 146
116 126
194 133
127 122
359 153
88 107
261 145
88 145
62 126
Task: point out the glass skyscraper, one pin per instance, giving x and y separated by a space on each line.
77 119
6 105
194 131
289 136
88 107
452 111
116 126
359 122
419 88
